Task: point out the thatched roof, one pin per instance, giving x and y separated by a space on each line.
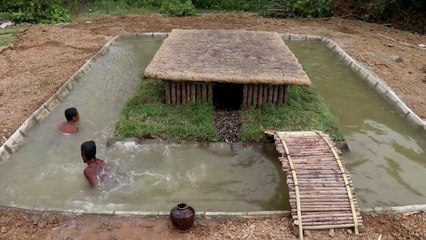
226 56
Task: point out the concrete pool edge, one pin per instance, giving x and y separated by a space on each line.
395 210
368 76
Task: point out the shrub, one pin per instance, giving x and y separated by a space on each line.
298 8
44 11
382 10
178 8
244 5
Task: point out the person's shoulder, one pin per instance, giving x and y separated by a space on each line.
88 170
68 128
100 160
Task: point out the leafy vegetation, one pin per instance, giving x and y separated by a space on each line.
403 14
178 8
145 116
298 8
38 11
241 5
382 10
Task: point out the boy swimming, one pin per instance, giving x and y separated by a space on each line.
70 126
95 167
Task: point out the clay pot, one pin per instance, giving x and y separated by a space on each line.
182 217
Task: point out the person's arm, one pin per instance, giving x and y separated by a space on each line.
92 178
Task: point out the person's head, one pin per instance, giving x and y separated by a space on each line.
88 151
71 114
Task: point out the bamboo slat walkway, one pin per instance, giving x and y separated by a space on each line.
321 191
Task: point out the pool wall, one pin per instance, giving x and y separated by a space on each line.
17 139
407 209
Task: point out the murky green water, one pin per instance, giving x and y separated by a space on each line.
388 156
48 171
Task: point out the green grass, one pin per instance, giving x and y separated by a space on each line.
145 116
304 111
7 35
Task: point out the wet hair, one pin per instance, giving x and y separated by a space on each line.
70 113
88 150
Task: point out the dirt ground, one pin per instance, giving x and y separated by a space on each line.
45 56
25 225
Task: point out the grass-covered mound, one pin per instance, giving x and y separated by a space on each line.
305 110
146 116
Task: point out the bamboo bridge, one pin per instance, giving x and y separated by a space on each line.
321 192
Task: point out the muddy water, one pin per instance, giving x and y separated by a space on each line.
48 171
388 156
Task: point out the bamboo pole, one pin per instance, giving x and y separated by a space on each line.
204 95
286 91
173 92
193 92
265 94
329 220
270 93
250 95
346 181
325 203
326 214
324 222
210 90
280 94
167 92
344 219
245 94
183 91
293 172
178 93
329 226
260 101
199 92
275 99
255 92
188 92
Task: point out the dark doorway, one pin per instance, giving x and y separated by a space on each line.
227 96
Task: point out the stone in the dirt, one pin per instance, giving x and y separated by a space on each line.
25 24
389 45
6 24
331 233
4 219
397 58
349 231
307 233
3 230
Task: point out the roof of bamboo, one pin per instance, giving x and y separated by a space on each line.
226 56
